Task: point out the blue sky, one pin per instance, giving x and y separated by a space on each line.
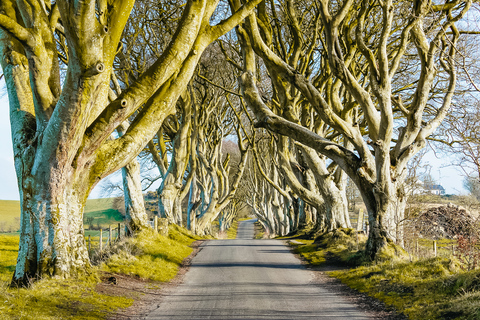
449 177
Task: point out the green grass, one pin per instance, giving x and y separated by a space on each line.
340 246
8 257
59 299
427 289
104 218
149 256
102 212
93 205
434 288
51 299
232 231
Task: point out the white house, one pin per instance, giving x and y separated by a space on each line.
419 187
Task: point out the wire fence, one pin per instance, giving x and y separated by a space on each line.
99 240
416 247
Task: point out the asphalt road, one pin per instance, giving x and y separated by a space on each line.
250 279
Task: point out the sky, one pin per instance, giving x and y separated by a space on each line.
448 176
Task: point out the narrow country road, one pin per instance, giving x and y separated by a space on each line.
250 279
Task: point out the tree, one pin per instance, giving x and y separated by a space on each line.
461 137
366 49
169 201
62 122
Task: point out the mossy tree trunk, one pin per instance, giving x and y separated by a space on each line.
51 244
61 130
169 204
221 191
363 108
135 213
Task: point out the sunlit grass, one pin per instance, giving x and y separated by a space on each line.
149 256
59 299
8 257
232 231
434 288
339 246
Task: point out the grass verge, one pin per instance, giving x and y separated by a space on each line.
435 288
148 256
232 231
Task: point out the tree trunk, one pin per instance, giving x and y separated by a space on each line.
335 201
193 202
385 218
177 211
51 231
135 214
173 180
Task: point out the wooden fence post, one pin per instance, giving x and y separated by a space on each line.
89 243
416 248
101 240
435 248
356 233
360 220
155 224
110 235
119 236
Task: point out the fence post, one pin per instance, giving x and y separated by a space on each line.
416 248
110 235
119 235
435 248
155 224
89 243
360 220
453 249
101 240
356 233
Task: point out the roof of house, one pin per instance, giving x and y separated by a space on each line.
435 187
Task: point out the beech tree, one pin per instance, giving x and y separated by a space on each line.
216 185
366 48
170 193
62 123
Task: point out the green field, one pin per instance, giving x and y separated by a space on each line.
9 215
101 210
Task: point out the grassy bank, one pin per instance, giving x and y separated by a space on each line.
435 288
148 256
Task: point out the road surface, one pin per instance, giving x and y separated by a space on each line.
250 279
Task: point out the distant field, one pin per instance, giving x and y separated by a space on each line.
9 215
101 210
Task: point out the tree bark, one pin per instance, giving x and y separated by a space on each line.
61 131
135 214
51 231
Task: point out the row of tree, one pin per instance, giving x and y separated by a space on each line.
311 92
